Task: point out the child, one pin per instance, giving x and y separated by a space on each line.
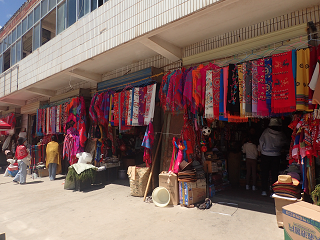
251 151
13 168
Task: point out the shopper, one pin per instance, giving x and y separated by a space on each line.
23 157
251 151
271 142
52 157
13 167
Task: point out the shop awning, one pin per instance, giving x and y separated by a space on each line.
134 79
4 126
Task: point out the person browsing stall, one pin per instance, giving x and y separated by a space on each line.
271 142
251 151
52 157
23 157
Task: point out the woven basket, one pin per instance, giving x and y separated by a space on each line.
138 183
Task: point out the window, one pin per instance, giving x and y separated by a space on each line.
14 35
30 20
18 50
27 44
1 64
37 14
48 26
19 31
5 44
52 3
93 4
6 60
61 18
71 12
36 36
13 55
44 7
24 25
9 39
1 47
100 2
83 6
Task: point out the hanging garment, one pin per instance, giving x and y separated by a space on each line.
225 90
142 102
188 90
135 107
129 118
147 143
197 86
170 94
221 102
150 103
283 89
162 91
262 109
116 109
302 80
254 88
216 90
268 78
209 95
233 104
247 76
242 90
313 63
179 89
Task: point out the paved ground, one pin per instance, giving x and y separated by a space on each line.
42 209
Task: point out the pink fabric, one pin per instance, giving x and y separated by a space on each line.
262 109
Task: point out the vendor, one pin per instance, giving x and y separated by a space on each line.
271 142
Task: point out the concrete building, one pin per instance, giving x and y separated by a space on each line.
50 47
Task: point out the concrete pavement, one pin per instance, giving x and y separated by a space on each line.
42 209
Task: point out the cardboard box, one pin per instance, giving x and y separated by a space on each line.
170 182
43 172
280 202
192 192
301 220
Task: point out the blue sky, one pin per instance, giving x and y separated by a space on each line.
8 8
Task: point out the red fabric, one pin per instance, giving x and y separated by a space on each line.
283 86
21 152
116 109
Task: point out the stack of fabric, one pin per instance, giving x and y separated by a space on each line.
287 186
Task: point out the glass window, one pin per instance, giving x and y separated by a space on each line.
9 39
61 18
100 2
59 1
13 55
5 44
36 36
14 35
24 25
19 31
18 50
44 7
30 20
1 64
0 47
37 14
71 12
94 4
83 6
52 3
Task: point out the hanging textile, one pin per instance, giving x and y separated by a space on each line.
179 89
209 95
142 93
150 103
262 109
187 91
129 115
283 89
135 107
255 88
268 78
242 90
221 102
302 80
313 64
197 86
116 109
233 104
247 76
147 143
225 90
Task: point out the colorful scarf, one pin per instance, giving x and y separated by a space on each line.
129 118
302 80
225 90
135 107
142 93
170 93
255 77
262 109
283 89
179 89
221 102
197 86
116 109
147 143
233 104
242 90
247 76
268 78
187 91
150 103
216 90
209 95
